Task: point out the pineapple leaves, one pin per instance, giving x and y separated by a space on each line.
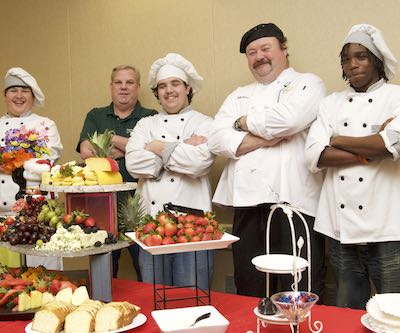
101 143
130 213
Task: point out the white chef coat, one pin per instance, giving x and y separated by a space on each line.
285 107
181 178
359 203
8 188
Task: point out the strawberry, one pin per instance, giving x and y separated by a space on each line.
168 240
68 218
195 238
190 218
182 239
160 230
155 240
55 286
209 229
42 285
170 229
149 226
90 222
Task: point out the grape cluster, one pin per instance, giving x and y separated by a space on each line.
51 212
27 233
31 209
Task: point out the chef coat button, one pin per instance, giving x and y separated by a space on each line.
153 202
342 206
178 137
350 100
165 120
360 207
364 125
163 136
5 203
7 123
2 139
3 181
345 124
182 119
341 178
370 100
21 123
172 180
360 179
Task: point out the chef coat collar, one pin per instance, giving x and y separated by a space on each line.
184 110
26 114
285 77
372 87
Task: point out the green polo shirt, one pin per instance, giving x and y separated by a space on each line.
100 119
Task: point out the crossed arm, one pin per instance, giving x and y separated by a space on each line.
349 150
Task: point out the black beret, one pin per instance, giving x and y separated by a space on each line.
259 31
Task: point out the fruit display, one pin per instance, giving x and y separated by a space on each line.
169 228
95 171
25 288
36 219
41 221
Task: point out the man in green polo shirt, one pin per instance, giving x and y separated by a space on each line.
120 116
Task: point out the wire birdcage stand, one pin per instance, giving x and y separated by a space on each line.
295 270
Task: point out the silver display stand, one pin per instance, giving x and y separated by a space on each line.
286 264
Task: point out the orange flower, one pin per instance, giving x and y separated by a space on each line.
15 159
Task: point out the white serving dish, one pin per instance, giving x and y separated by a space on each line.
179 320
222 243
279 263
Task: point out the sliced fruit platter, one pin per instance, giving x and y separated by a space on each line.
25 288
172 232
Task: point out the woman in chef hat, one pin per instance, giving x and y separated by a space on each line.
21 94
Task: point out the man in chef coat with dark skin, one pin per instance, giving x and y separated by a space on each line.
356 140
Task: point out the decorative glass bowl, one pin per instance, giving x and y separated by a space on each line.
294 305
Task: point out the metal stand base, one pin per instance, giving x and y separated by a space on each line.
202 297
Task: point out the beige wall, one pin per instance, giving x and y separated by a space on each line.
70 46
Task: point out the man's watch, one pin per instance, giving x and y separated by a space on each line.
236 125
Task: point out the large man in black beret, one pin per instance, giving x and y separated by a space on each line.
261 128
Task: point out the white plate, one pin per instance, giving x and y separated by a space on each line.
139 320
224 242
278 263
365 318
179 320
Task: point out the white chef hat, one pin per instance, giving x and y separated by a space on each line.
174 65
17 76
372 38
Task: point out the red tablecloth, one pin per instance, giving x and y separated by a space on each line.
237 309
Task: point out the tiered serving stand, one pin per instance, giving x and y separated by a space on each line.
100 201
285 264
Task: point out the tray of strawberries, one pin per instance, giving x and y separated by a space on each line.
173 232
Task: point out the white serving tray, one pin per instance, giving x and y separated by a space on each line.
179 320
224 242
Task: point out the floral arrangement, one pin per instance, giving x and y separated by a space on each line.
20 145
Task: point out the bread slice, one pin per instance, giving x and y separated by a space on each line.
115 315
51 317
82 320
65 295
80 295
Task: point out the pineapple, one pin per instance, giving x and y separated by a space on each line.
101 143
129 214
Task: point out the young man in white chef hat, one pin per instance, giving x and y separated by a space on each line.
356 140
169 155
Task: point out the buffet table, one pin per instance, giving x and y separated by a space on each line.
237 309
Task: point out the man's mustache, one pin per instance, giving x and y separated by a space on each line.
261 62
